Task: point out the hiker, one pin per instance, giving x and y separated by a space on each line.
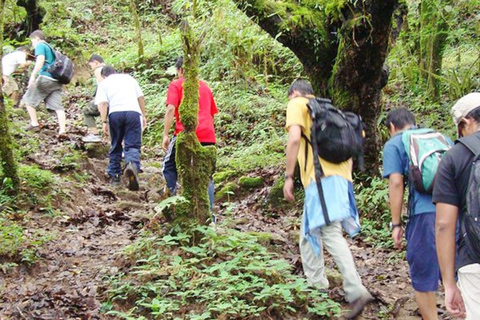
420 228
205 129
43 87
11 63
120 99
456 196
298 123
90 112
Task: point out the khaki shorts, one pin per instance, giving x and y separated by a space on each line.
10 86
46 89
469 284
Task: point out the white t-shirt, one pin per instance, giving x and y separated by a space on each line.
11 61
121 92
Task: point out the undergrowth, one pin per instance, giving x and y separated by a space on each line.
228 275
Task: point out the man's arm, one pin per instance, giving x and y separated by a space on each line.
141 102
293 145
396 191
445 225
167 124
38 66
103 109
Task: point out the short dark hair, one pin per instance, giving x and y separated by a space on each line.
400 118
107 71
37 34
179 63
302 86
96 57
474 114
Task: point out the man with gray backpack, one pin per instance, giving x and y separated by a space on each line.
411 158
457 197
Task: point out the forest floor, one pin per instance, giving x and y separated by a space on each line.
97 221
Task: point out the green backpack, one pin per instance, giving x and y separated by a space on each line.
425 149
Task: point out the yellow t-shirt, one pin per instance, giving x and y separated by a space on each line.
298 114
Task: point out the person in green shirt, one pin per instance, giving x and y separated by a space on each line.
42 86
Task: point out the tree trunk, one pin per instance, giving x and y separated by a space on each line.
34 17
6 153
195 163
138 30
433 31
342 47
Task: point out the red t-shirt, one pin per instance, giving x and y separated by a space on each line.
207 109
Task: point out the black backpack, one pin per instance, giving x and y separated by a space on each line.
62 68
336 136
471 218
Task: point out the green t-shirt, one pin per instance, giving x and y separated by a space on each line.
42 49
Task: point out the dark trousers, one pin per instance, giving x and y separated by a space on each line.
170 171
126 127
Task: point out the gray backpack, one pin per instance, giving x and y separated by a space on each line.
471 218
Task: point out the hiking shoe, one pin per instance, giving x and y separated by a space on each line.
358 305
32 128
91 138
131 173
115 180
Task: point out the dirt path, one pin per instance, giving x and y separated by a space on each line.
98 221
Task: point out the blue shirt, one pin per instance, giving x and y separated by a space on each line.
395 160
42 49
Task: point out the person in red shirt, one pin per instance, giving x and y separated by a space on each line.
205 128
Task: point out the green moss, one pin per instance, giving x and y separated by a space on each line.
275 197
226 192
250 182
219 177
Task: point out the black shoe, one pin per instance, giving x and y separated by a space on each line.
358 305
115 180
131 173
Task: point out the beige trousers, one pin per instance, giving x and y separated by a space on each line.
314 266
469 285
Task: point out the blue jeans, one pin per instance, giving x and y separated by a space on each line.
170 172
126 127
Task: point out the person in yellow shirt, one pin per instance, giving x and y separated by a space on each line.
340 203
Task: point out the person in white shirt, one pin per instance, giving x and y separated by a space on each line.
12 62
120 98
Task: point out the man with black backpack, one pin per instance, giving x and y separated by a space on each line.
325 211
457 197
44 87
403 164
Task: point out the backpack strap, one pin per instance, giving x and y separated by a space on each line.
472 142
53 52
318 168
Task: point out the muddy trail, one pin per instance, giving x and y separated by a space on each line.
97 221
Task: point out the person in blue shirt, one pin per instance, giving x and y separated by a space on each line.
42 86
420 228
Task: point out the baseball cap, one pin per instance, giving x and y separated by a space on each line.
463 107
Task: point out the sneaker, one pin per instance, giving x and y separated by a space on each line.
131 173
91 138
358 305
32 128
115 180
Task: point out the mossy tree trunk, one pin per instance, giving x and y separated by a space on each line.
6 151
342 45
138 30
195 163
34 17
433 32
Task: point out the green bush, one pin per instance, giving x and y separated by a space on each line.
229 274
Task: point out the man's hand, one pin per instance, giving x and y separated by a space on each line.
105 129
288 190
397 236
165 142
454 302
144 123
